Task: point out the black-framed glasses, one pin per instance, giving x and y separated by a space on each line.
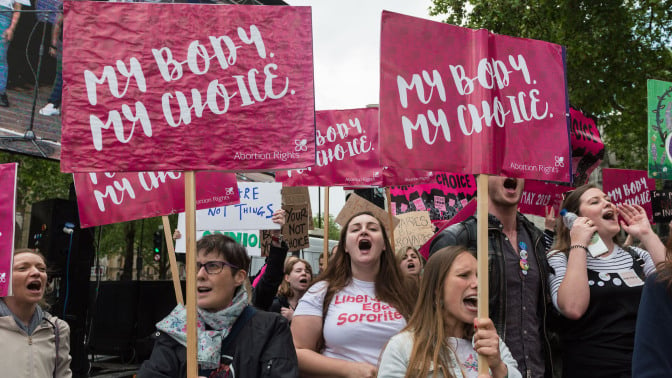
214 267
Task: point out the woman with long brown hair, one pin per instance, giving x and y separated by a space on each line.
344 320
437 342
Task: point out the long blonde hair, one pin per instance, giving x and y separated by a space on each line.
285 288
427 322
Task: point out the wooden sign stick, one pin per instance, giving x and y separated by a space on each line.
482 256
174 271
325 230
389 212
190 215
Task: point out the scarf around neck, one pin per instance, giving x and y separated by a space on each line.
209 340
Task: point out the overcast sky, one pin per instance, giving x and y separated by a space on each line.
346 48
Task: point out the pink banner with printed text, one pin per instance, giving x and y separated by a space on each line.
403 176
443 198
540 196
7 225
470 101
347 151
104 198
587 146
629 186
174 86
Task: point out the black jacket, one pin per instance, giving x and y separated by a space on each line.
263 348
464 233
267 288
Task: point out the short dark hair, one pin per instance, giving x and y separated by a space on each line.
227 247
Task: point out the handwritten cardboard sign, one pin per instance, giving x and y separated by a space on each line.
538 195
471 101
104 198
587 146
248 239
174 86
661 205
356 204
347 151
444 197
629 186
7 225
414 229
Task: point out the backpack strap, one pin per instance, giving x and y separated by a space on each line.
637 262
244 317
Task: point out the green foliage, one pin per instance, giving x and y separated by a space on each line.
613 47
334 228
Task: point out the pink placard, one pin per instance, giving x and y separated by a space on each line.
587 146
537 195
455 190
104 198
165 87
629 186
470 101
400 176
347 151
7 224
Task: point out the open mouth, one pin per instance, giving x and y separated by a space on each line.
471 303
510 183
364 244
204 289
410 265
35 286
609 215
303 281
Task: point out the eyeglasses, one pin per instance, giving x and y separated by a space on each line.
214 267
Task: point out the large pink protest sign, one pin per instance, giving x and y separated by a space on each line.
629 186
163 87
104 198
7 220
454 191
347 151
587 146
470 101
539 196
393 176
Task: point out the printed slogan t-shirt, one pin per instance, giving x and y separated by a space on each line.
357 325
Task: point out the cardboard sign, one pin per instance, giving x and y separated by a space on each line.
414 229
7 225
356 204
248 239
295 230
347 151
629 186
471 101
174 86
538 195
661 205
587 146
444 197
258 201
104 198
659 110
298 195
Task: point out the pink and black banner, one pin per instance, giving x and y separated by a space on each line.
539 196
166 87
104 198
470 101
7 225
629 186
347 151
587 146
443 198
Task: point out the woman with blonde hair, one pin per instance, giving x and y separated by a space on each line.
443 337
298 276
410 261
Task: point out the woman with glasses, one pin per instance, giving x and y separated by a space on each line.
234 339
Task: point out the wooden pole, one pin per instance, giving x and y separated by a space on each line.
482 256
325 230
190 215
391 216
174 271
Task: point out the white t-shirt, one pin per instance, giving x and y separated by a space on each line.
10 3
357 325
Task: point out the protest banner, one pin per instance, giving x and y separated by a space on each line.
7 225
443 198
659 110
104 198
347 151
661 205
629 186
157 87
538 195
414 229
587 146
457 108
356 204
403 176
248 239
